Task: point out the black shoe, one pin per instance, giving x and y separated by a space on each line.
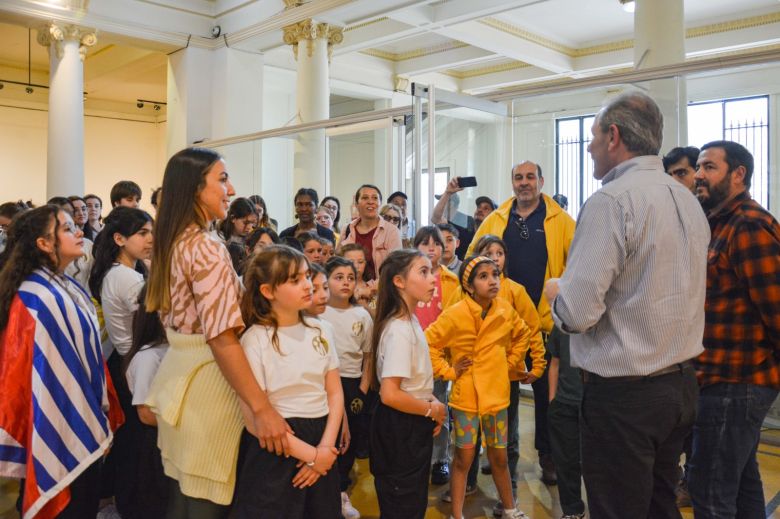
485 469
549 477
440 473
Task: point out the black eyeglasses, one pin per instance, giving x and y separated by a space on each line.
524 234
392 219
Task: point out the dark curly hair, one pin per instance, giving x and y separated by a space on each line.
22 255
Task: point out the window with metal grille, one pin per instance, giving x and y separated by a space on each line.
573 165
744 120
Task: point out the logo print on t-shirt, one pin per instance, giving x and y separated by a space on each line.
356 406
320 345
357 328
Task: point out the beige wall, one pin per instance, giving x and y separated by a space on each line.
113 150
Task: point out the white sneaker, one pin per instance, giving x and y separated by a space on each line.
514 513
347 510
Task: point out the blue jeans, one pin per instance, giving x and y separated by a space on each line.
724 480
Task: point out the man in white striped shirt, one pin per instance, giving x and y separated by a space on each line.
632 296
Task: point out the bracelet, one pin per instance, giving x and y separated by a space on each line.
312 462
430 409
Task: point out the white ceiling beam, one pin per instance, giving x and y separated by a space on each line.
760 35
363 10
442 60
235 18
145 21
487 82
584 66
604 61
507 45
373 35
456 11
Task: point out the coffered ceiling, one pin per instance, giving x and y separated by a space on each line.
466 45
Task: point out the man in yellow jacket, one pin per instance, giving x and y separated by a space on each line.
538 234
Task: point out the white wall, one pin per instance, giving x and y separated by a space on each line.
113 150
351 165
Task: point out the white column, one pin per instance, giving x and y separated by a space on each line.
312 42
237 109
67 46
659 39
189 98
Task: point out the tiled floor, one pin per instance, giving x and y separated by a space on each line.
536 499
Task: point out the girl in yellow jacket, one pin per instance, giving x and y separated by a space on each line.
485 338
493 247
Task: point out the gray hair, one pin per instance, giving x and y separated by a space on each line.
639 120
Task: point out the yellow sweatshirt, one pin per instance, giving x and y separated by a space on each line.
495 344
516 295
559 230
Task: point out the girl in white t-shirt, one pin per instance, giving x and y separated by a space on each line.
353 326
143 480
365 291
320 292
116 278
118 273
294 361
407 416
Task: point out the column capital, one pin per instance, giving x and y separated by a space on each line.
53 35
308 31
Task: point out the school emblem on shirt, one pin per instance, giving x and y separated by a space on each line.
356 406
320 345
357 328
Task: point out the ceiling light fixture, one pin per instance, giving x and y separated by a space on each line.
628 5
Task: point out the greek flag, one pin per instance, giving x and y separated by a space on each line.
54 414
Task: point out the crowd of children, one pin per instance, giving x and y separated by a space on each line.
230 370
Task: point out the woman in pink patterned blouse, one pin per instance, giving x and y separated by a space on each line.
196 391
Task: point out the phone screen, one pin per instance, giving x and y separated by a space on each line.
467 181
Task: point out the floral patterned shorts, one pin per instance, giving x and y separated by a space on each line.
494 429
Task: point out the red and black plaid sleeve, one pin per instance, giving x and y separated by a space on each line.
742 331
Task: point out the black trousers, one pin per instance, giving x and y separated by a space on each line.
356 407
541 401
632 435
563 420
141 484
115 467
264 489
84 494
401 445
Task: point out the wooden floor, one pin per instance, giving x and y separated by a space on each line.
534 498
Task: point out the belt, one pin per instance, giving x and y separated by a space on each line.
592 378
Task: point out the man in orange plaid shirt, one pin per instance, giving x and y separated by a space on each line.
739 370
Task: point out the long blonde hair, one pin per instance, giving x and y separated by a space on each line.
178 209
